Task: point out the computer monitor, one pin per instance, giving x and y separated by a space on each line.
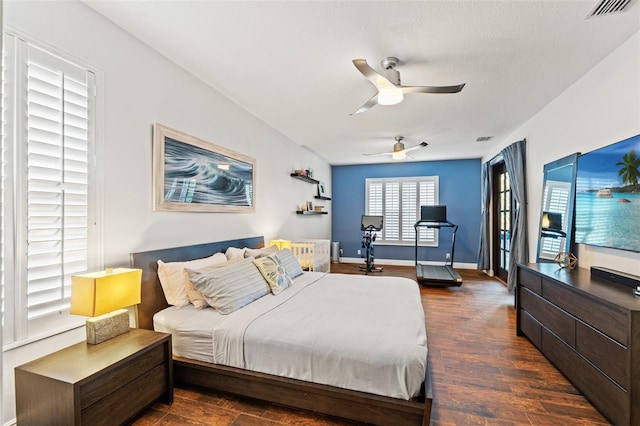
433 213
371 223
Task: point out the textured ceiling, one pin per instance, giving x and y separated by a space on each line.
289 64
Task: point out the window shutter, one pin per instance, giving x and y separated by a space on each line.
50 190
399 201
410 207
57 181
391 229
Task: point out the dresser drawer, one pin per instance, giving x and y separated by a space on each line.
109 381
530 280
611 399
108 410
608 320
531 328
603 352
555 319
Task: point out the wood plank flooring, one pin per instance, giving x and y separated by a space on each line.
483 374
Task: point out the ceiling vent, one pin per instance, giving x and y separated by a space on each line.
609 7
483 138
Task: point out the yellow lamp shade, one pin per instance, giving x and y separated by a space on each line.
98 293
281 244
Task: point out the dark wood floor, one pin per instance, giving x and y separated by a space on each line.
483 374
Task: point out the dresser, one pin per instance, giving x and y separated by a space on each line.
589 329
104 384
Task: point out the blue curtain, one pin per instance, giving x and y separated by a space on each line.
484 254
514 160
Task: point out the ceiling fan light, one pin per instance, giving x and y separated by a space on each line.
399 155
390 96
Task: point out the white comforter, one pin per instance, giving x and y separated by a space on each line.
356 332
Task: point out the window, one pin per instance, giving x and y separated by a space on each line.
399 201
49 214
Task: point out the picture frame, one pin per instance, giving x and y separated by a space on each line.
322 191
194 175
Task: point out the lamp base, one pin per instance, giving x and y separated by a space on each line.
107 326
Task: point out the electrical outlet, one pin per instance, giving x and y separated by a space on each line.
341 252
359 252
448 256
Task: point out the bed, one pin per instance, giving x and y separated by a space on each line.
335 400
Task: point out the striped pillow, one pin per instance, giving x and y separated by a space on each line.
231 287
290 262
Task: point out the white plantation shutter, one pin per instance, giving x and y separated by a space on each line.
55 208
399 201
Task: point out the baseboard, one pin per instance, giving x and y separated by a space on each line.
397 262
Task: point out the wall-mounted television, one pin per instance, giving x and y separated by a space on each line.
607 212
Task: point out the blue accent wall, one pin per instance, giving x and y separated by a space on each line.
459 182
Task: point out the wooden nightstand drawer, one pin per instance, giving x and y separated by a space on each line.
122 374
107 411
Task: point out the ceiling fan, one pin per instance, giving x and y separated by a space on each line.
399 152
390 91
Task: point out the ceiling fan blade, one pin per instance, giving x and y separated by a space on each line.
420 145
367 105
432 89
376 79
379 153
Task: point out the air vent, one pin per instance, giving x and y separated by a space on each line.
483 138
609 7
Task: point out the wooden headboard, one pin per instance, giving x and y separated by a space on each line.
153 299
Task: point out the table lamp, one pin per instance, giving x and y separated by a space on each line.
101 296
281 244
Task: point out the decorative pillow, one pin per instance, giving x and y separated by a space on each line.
273 272
234 253
172 278
230 288
260 252
290 262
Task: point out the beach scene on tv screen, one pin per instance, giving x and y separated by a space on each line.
608 196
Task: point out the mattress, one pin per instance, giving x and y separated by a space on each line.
350 331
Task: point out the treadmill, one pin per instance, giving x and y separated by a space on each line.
436 275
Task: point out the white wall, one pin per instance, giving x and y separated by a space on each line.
601 108
141 87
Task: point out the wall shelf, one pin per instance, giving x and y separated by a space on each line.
304 178
320 197
310 212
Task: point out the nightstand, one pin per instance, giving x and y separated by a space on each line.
104 384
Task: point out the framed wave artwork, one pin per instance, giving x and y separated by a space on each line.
190 174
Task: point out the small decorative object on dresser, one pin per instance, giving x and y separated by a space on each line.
566 260
106 384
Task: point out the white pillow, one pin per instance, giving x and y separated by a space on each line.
290 262
234 253
171 277
259 252
231 287
273 272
